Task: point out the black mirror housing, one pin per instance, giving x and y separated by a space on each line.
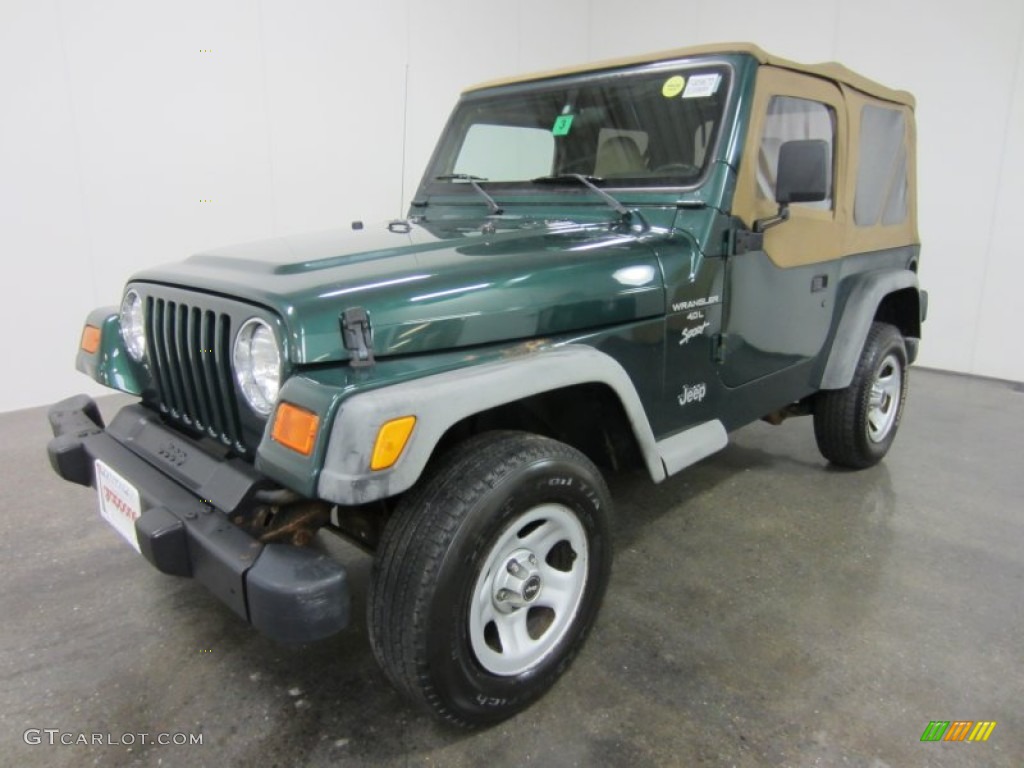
803 172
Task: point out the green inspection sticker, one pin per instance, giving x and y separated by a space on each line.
562 125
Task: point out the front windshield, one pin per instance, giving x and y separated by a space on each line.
644 129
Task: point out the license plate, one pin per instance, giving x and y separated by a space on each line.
119 502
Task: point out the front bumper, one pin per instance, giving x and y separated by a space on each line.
292 595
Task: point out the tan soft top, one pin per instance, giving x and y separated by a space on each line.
828 70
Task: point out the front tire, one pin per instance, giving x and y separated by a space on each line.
855 427
489 576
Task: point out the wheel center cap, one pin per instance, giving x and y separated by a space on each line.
531 588
519 582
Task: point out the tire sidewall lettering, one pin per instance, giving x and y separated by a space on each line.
871 364
449 648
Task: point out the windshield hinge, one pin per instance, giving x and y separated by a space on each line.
719 346
357 336
746 241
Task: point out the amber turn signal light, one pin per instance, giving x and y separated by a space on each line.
91 339
295 428
391 440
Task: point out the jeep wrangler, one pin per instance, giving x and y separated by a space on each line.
609 266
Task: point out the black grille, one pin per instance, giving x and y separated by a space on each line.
190 351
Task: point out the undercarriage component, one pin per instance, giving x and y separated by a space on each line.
803 408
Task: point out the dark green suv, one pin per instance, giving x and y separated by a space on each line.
610 266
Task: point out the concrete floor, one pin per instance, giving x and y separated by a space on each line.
764 610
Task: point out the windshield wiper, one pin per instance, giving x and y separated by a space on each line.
495 209
458 177
588 181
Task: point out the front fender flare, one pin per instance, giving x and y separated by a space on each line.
440 401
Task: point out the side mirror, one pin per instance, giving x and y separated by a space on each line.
803 172
802 178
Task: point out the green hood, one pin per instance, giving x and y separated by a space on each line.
428 291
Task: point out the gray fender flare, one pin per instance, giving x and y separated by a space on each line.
858 313
441 400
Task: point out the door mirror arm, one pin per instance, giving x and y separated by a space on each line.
760 225
747 240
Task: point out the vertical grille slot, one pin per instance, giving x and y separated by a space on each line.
194 345
154 315
191 356
181 352
227 387
173 363
208 334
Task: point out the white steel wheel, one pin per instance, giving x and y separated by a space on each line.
884 400
855 427
489 575
528 590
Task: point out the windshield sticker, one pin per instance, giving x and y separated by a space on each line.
562 125
700 86
673 86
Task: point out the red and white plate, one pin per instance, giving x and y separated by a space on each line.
119 502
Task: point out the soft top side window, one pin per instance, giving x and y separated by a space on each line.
881 196
789 118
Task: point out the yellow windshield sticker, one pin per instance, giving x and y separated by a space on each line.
673 86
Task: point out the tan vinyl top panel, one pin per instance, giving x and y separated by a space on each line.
828 70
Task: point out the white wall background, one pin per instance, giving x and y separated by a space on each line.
118 117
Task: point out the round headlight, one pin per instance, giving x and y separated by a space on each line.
133 328
257 359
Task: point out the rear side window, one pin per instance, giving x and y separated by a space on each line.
882 176
791 118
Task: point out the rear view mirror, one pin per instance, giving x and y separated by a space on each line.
803 172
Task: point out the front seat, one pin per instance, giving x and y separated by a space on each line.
619 156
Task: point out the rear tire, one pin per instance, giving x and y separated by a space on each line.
489 575
855 427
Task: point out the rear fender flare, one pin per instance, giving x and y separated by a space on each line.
858 314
